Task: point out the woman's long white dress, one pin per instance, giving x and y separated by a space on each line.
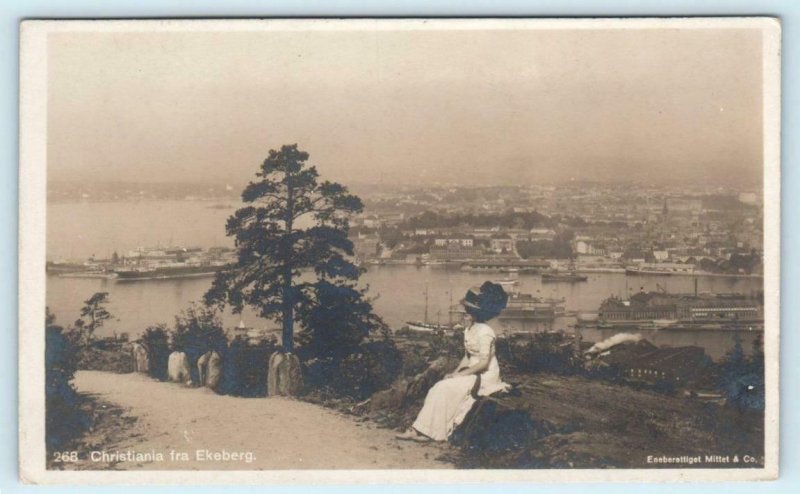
449 400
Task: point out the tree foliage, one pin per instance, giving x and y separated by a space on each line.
244 370
741 376
198 329
93 313
559 247
339 320
63 417
293 251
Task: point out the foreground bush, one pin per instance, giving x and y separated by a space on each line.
156 340
63 417
370 367
244 368
553 352
198 330
106 356
740 377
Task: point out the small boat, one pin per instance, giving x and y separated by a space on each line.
527 307
426 327
165 271
90 274
659 269
506 282
664 323
640 271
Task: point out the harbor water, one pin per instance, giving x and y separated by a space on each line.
80 230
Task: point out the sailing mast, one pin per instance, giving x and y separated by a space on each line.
426 303
450 310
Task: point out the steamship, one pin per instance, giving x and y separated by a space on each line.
172 263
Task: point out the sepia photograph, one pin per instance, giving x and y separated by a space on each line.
392 250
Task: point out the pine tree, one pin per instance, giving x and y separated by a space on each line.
293 253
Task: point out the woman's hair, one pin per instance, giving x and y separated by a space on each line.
485 303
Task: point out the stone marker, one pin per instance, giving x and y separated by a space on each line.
284 377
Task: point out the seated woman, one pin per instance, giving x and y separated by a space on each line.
449 400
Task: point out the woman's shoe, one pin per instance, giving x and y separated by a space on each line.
407 435
411 434
420 438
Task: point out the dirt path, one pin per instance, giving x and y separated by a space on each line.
281 433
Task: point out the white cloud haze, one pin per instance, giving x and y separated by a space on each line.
505 107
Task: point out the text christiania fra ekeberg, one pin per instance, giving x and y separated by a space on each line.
202 454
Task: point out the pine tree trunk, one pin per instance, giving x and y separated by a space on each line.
288 314
288 299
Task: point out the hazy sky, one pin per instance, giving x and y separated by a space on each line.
515 107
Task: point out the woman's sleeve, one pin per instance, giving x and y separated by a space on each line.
485 342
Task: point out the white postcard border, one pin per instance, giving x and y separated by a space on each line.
32 278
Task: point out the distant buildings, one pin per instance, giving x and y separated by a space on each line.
454 251
366 246
653 306
463 241
612 226
587 248
501 242
683 205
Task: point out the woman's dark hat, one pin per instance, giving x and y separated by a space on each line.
490 299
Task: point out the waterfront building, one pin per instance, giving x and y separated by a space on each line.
661 255
463 241
587 247
643 361
501 242
454 251
675 308
640 307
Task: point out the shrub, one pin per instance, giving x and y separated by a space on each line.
374 367
371 367
741 377
64 419
244 368
553 352
198 330
335 347
156 340
444 344
338 323
105 355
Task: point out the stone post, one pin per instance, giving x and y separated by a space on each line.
284 377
